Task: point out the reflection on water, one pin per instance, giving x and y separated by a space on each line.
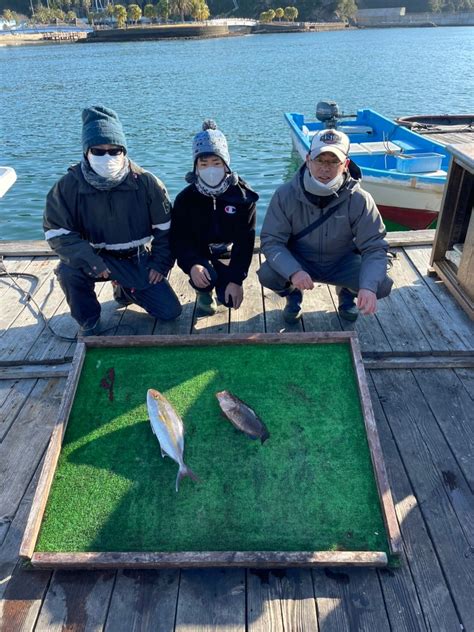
163 91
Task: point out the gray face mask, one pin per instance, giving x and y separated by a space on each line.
319 188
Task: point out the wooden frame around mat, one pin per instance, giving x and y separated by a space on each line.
185 559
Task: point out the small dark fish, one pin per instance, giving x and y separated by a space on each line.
242 416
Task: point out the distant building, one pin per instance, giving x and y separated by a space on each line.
6 24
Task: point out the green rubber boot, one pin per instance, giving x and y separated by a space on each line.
205 304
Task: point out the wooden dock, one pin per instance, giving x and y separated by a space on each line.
418 352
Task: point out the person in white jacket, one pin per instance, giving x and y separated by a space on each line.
322 226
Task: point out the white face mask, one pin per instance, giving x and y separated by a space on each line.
107 166
312 185
212 176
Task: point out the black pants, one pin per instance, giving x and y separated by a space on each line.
219 274
157 299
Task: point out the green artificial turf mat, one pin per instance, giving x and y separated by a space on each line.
309 487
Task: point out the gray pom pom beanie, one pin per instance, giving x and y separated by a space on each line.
101 126
210 141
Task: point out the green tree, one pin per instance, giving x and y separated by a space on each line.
120 13
109 10
345 9
149 11
71 16
264 17
181 8
163 10
279 13
200 10
8 15
291 13
134 13
86 6
271 15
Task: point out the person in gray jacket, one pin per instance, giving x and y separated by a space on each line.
322 226
108 219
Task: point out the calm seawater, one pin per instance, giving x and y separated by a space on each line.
163 90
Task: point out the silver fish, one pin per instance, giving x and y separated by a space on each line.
242 416
168 428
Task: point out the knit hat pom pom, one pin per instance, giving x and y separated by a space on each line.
209 124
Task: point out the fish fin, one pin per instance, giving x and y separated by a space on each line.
264 437
163 453
185 471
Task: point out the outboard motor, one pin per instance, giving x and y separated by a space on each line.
328 112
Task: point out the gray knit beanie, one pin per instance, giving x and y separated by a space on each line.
101 126
210 141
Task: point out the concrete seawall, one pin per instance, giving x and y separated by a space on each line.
158 32
465 18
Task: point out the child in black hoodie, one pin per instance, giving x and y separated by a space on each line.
214 217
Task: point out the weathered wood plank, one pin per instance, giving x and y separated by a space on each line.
76 601
14 394
453 410
419 583
348 600
21 592
424 307
25 248
421 362
27 321
421 448
250 316
410 237
211 600
420 257
33 372
467 378
190 559
281 600
263 601
23 446
369 331
394 315
13 301
143 600
13 265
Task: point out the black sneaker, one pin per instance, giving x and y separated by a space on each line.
292 310
120 297
348 312
347 308
94 330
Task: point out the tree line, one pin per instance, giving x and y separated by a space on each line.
127 10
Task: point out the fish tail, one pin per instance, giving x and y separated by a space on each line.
185 471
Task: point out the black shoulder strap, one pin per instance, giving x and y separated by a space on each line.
316 224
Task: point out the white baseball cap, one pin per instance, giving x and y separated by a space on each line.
330 140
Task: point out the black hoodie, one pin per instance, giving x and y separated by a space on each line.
197 220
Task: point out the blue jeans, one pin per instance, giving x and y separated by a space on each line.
159 299
219 274
344 274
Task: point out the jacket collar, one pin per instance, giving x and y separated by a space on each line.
349 186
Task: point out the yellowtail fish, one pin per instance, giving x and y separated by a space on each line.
242 416
168 428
